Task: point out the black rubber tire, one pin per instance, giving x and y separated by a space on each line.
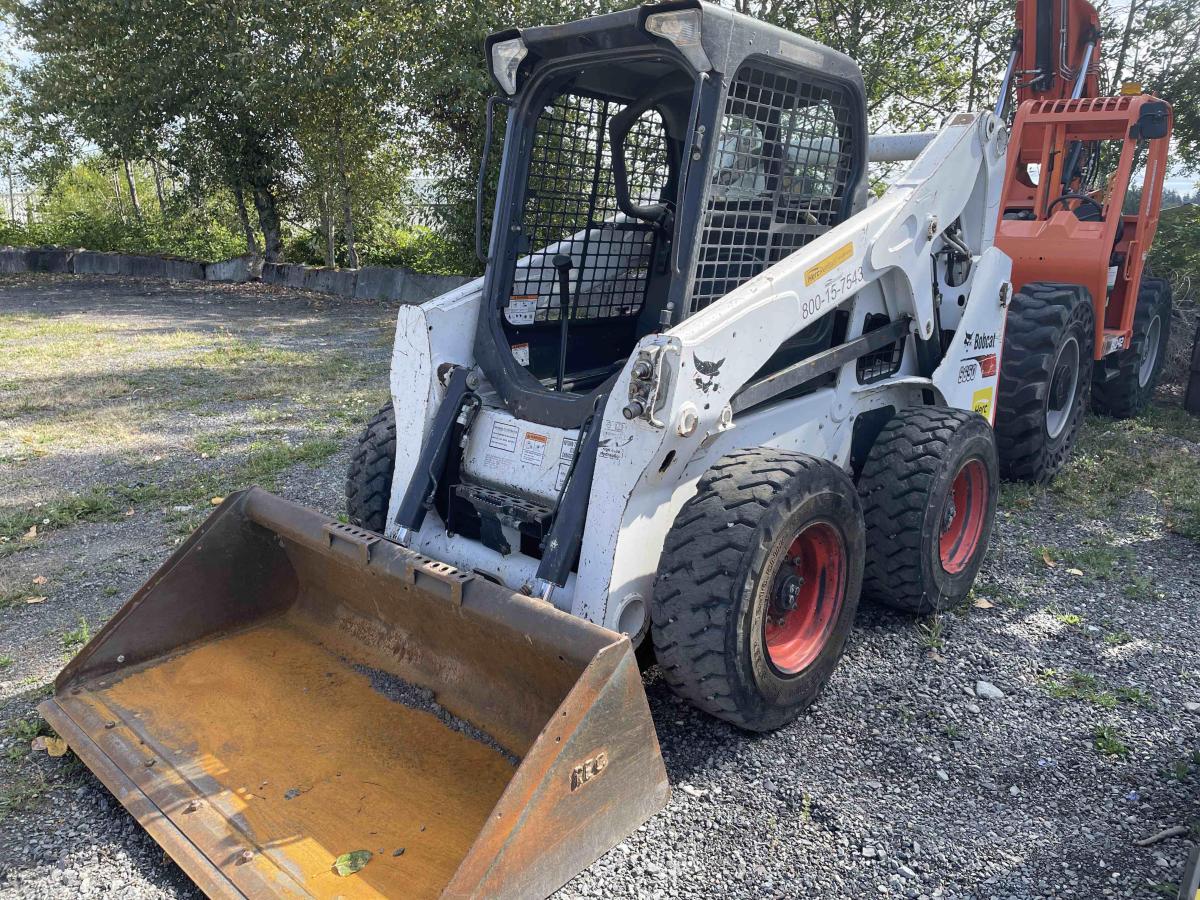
707 612
905 485
1042 319
369 481
1125 396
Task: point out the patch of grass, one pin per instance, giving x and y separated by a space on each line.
1135 695
263 464
1179 770
22 793
265 461
1071 620
1002 596
1118 638
1080 686
78 636
1108 740
25 730
931 633
13 598
214 444
1087 688
94 505
1018 494
1141 587
22 732
6 662
1114 459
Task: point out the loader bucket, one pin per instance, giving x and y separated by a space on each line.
288 698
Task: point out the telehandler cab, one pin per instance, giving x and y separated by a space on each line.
703 397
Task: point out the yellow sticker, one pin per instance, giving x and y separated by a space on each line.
828 264
981 402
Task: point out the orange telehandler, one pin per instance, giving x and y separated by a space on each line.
1078 212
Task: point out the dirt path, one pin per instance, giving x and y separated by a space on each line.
127 406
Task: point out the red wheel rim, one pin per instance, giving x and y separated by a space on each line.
806 595
963 516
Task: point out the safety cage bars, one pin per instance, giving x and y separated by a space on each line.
571 207
785 160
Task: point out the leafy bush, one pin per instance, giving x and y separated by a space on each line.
1176 256
423 250
191 235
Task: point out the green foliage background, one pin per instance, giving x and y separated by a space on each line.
294 127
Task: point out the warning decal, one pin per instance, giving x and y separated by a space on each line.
504 437
981 402
533 448
521 309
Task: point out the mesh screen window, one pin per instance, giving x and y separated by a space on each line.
783 165
571 197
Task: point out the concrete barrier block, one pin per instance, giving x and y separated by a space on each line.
50 260
295 276
331 281
419 288
183 270
141 266
379 283
14 259
284 274
93 262
238 269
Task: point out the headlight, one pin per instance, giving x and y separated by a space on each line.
681 28
506 59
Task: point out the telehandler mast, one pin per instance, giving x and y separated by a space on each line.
702 399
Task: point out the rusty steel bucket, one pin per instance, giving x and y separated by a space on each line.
288 698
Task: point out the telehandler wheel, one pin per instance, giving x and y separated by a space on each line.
1045 379
369 481
1128 392
758 585
929 489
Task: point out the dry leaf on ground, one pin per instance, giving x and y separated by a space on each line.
349 863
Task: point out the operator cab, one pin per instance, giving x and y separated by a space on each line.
654 160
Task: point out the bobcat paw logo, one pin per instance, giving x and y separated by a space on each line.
706 373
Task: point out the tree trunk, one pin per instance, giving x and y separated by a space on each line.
133 197
12 198
158 184
268 222
326 226
347 206
239 197
1126 37
976 40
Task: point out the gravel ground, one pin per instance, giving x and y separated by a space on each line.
1015 747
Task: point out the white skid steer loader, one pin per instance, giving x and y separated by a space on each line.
703 397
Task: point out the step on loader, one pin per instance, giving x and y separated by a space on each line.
703 398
